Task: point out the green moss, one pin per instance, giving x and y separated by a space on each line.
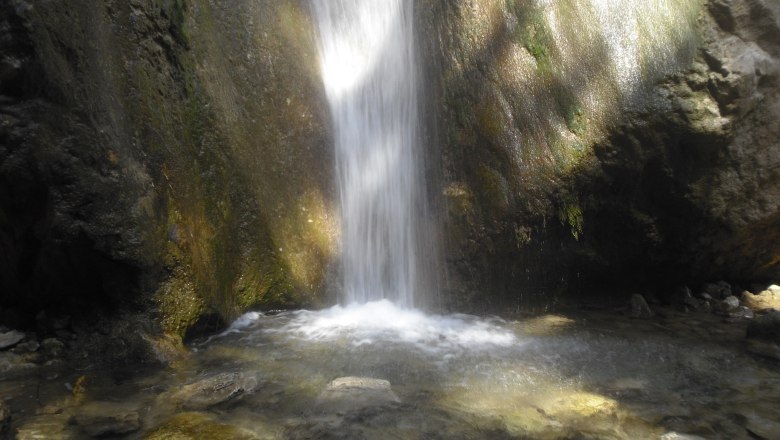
570 214
532 32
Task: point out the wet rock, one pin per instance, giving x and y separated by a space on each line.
213 390
705 296
197 426
639 307
100 419
10 338
767 299
765 327
350 393
718 290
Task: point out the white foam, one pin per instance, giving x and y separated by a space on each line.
381 322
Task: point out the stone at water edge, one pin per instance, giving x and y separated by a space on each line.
10 338
639 307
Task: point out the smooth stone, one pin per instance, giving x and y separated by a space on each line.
765 327
10 338
639 307
100 419
350 393
212 390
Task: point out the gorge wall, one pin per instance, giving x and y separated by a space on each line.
167 161
167 164
594 146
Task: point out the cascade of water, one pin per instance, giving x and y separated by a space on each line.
368 64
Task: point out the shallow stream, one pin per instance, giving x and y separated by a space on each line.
408 375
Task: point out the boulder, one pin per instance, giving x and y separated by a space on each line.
741 312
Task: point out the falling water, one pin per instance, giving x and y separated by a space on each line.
368 63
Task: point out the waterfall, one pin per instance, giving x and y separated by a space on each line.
368 63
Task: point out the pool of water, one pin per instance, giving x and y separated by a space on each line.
594 375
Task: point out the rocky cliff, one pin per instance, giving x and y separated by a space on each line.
164 163
591 145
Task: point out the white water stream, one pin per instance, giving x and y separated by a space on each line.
368 62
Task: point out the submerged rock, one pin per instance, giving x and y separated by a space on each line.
350 393
212 390
100 419
10 338
639 307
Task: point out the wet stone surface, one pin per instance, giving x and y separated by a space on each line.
401 374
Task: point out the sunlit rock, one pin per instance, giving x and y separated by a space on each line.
350 393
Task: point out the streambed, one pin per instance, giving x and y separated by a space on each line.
376 371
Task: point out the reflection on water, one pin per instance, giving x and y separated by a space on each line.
455 376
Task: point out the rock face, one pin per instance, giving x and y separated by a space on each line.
572 159
163 156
